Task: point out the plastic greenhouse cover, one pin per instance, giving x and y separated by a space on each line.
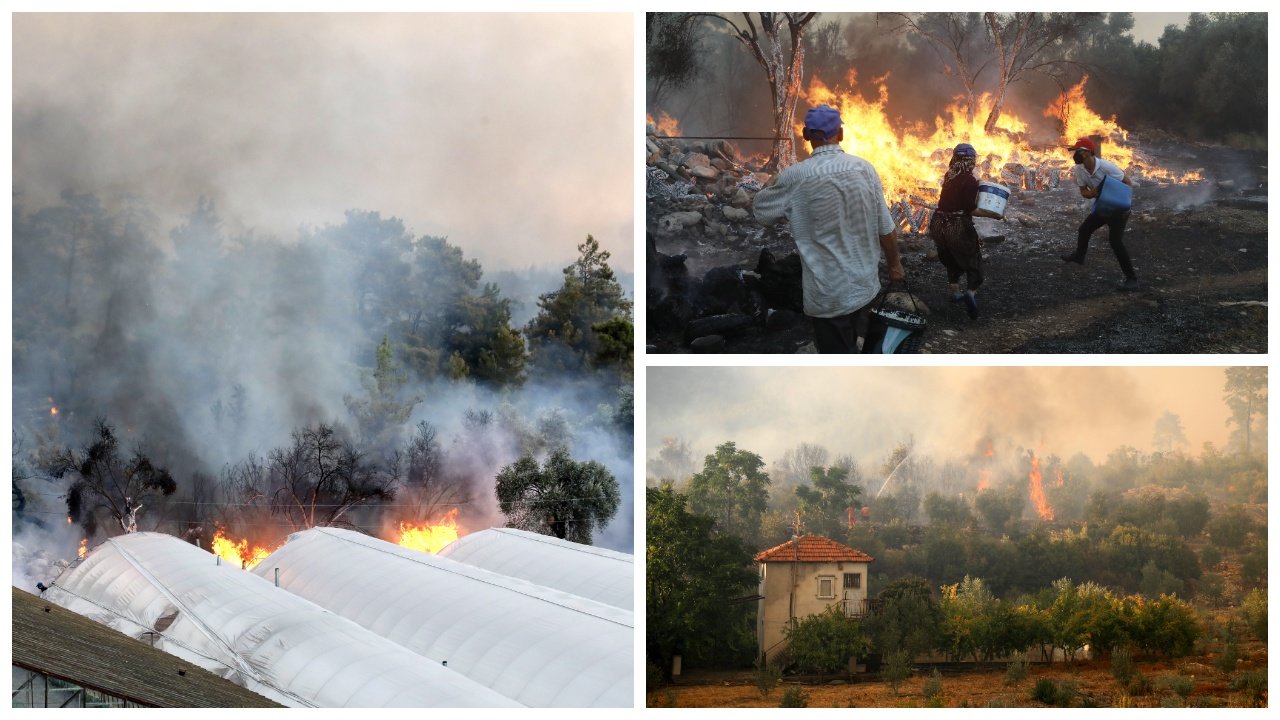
595 573
540 646
161 589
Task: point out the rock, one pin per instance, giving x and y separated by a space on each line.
741 198
696 160
1026 221
721 164
707 344
706 172
905 302
652 146
1029 201
677 220
993 239
733 214
716 325
715 229
807 349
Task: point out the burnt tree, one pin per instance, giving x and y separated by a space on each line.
108 484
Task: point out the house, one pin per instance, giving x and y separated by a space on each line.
804 577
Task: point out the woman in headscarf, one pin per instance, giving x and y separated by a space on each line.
952 227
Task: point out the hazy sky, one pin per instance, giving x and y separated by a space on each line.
1149 26
510 134
866 411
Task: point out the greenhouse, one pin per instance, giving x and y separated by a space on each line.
540 646
180 599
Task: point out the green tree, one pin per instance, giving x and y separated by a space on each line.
1000 508
561 336
908 617
825 643
617 350
733 489
1253 612
1245 393
384 409
825 501
944 510
563 498
1166 625
1231 527
690 570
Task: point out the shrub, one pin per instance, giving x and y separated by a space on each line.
933 688
794 697
1122 665
897 667
1016 671
1210 556
1045 691
824 643
1172 701
1139 684
767 678
1254 685
1253 611
1230 655
1178 684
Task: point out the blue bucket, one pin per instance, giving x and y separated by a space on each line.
1113 196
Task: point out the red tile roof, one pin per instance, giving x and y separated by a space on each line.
814 548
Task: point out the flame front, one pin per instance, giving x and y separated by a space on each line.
240 554
1037 489
665 124
430 537
912 160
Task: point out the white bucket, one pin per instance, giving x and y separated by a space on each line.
993 197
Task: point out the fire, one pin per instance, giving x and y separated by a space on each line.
430 537
68 519
84 547
53 411
988 451
666 125
1057 476
240 553
911 160
1037 489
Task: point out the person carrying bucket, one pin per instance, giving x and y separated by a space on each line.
959 249
1109 186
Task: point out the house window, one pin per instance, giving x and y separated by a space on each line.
852 581
826 587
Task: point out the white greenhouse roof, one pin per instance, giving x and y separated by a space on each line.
537 645
160 589
595 573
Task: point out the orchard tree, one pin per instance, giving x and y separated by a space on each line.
690 571
562 497
733 489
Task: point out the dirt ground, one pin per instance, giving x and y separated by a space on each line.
1200 251
972 687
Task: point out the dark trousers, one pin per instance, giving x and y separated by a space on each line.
839 335
1115 223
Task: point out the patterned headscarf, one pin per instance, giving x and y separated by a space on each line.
959 164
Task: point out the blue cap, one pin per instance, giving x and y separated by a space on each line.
965 150
823 119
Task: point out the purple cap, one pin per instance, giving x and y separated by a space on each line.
823 119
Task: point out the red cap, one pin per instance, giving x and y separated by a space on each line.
1086 144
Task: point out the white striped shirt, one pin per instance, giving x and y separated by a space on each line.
836 206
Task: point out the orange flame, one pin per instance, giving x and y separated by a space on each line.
988 451
84 547
1037 490
1057 476
68 519
239 554
430 537
665 124
911 160
53 411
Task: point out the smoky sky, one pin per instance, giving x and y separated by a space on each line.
509 134
867 411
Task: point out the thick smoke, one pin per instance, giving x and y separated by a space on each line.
867 412
182 266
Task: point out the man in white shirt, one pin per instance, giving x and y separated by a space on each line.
1089 172
841 226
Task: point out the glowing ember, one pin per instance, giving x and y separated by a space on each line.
53 411
68 519
430 537
84 547
1037 490
666 125
239 554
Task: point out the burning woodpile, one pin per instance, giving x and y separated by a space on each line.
716 274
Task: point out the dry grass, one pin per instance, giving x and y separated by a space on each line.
975 688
